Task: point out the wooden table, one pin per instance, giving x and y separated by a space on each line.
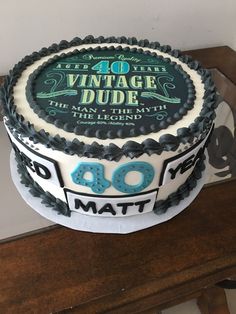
65 271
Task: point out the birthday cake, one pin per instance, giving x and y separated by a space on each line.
109 127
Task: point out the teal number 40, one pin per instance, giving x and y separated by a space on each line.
117 67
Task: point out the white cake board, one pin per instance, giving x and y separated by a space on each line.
83 222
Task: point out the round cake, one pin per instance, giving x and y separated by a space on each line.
109 127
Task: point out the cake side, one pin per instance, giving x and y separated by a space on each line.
145 181
109 126
110 209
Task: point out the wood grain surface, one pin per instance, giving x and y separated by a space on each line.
105 273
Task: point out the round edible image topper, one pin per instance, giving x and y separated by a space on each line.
110 93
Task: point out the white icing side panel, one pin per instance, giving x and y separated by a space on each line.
67 163
177 167
40 167
111 206
165 190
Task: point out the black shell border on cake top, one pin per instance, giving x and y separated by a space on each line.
131 149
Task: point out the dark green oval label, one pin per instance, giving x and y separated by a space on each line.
107 91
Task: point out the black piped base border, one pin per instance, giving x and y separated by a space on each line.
35 189
61 207
183 191
131 149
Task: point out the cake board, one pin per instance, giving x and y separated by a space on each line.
121 225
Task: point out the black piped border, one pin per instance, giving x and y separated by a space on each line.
183 191
184 153
131 149
35 189
61 207
34 152
101 132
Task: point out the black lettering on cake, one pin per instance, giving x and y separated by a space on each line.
27 161
41 170
187 164
141 204
173 171
115 205
108 208
124 207
87 207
